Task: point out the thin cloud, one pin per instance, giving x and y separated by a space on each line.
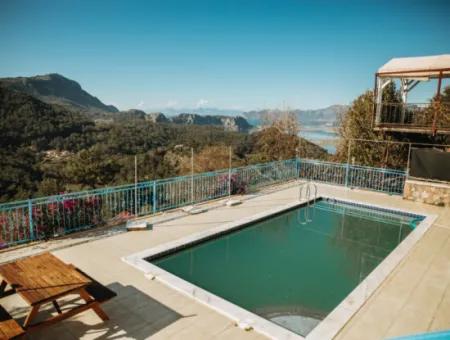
202 102
171 103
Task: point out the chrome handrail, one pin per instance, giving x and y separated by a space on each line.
307 186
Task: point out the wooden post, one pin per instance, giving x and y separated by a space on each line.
438 100
375 97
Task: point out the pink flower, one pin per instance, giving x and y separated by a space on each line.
69 205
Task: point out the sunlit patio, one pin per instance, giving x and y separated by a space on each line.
414 298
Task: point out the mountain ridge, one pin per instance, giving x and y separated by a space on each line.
325 116
54 88
321 116
237 123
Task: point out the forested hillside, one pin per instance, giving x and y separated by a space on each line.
47 149
25 120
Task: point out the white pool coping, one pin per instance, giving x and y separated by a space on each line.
328 327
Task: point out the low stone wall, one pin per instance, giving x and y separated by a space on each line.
427 192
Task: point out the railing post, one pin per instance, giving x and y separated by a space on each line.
347 173
192 175
229 174
135 187
347 168
30 219
154 198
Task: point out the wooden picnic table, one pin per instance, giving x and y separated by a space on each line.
43 279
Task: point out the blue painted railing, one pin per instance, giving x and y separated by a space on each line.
52 216
379 179
48 217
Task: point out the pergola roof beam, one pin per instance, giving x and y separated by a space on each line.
430 67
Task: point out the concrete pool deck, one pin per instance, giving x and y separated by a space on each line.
415 297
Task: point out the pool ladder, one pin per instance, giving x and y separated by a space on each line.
306 186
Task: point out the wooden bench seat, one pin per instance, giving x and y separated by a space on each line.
43 279
99 292
9 328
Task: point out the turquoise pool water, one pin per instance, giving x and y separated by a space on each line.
293 268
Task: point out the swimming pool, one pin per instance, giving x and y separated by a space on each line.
294 268
291 268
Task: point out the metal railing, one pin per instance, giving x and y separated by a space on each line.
52 216
420 115
356 176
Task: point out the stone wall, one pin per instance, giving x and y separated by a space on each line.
427 192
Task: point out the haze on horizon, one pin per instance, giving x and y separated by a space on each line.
240 55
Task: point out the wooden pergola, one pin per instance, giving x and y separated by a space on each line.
425 118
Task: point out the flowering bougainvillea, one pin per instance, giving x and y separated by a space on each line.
238 185
60 217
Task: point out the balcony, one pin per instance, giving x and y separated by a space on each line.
433 118
424 118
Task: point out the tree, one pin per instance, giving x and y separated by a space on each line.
154 164
19 173
359 137
49 186
356 124
91 168
440 109
212 158
279 140
391 94
445 108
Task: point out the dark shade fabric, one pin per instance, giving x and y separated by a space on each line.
430 163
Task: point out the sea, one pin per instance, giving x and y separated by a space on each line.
325 137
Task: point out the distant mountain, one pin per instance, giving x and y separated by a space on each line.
157 117
202 111
55 89
325 116
238 123
129 114
329 114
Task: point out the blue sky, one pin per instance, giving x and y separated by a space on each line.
228 54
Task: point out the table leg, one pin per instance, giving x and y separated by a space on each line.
31 315
96 306
2 287
55 304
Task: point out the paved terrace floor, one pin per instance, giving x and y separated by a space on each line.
414 298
